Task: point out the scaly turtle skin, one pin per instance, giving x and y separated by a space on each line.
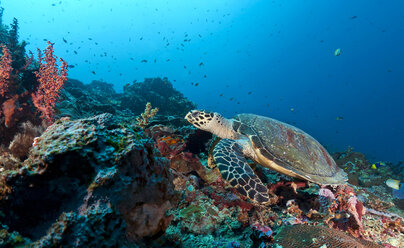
270 143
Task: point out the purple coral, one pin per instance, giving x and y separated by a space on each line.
325 198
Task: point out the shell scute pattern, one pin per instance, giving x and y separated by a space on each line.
288 147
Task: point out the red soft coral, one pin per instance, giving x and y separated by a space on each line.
51 80
5 70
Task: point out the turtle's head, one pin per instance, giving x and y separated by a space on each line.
201 119
211 122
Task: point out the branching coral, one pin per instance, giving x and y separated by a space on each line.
51 80
148 114
5 70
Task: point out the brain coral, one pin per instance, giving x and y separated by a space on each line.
318 236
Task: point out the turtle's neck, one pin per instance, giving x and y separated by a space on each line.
224 129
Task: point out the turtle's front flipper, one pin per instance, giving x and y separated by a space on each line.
234 168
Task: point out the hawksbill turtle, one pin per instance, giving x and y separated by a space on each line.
270 143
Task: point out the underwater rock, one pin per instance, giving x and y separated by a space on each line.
97 225
80 100
161 94
88 173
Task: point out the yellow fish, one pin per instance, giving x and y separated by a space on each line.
393 183
374 167
337 52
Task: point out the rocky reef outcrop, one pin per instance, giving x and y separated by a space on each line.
102 182
83 100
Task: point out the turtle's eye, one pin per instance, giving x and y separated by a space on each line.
195 114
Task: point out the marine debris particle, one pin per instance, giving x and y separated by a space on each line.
143 61
337 52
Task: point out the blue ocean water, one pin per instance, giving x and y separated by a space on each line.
274 58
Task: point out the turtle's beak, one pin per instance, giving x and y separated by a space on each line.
190 117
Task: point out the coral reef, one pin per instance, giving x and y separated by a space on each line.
87 173
80 100
98 169
25 88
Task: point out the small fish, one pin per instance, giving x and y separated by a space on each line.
231 99
143 61
337 52
75 52
221 94
168 60
393 183
64 40
353 17
201 64
249 93
70 66
155 60
377 165
196 84
204 76
93 72
141 38
339 118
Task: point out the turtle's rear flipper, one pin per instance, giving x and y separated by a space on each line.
234 168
